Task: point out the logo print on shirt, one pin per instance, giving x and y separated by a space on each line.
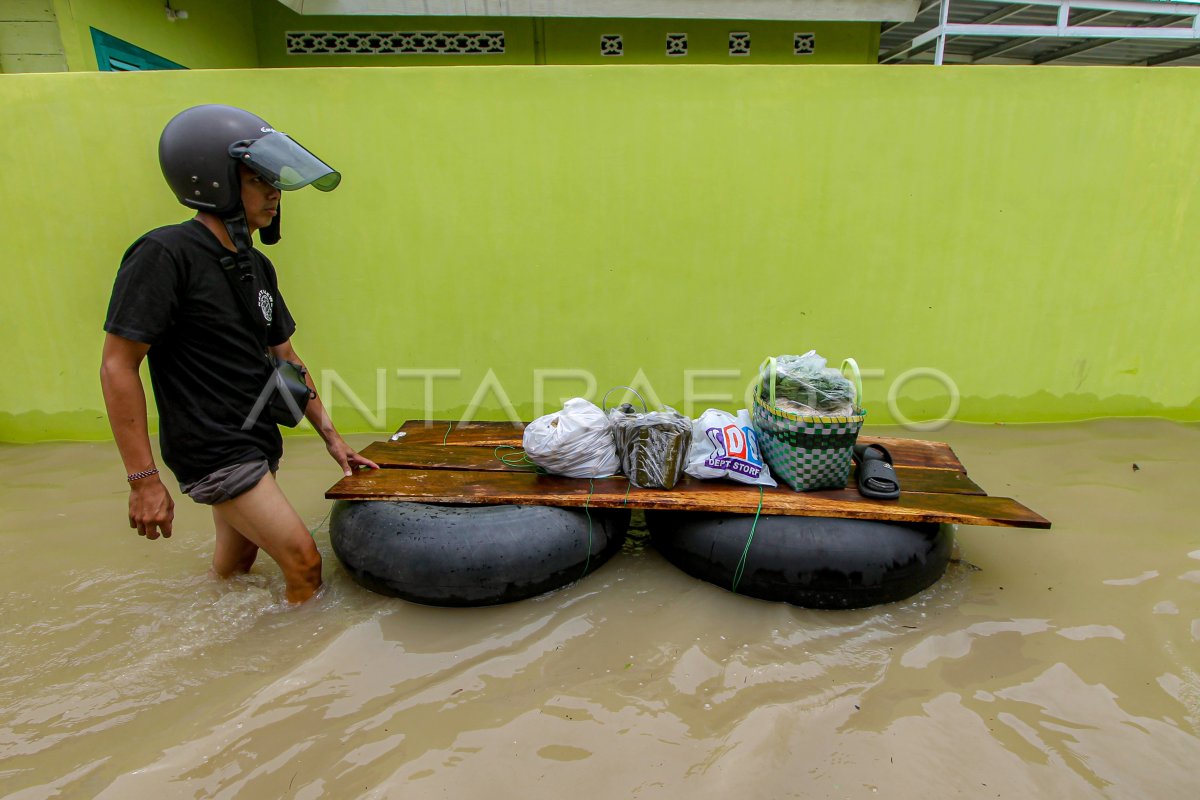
266 303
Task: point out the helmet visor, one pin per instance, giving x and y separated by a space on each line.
281 160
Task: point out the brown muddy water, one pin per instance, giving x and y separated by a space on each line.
1056 664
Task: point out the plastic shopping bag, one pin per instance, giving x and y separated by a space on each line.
724 446
576 442
805 385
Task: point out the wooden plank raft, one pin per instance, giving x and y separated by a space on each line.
441 462
906 452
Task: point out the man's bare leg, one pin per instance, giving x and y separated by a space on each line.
234 554
264 517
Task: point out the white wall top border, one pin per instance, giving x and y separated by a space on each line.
812 10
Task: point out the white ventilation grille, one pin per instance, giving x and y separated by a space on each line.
458 43
804 44
677 44
739 44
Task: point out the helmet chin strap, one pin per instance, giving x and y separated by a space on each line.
271 234
239 231
239 234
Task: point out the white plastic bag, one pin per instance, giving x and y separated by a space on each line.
724 446
576 442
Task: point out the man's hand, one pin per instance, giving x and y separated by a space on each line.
151 509
346 457
315 412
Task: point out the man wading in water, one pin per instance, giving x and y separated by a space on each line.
176 299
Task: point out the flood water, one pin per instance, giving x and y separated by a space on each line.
1060 664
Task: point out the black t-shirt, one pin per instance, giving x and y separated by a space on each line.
207 365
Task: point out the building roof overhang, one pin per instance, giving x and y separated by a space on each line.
1072 32
808 10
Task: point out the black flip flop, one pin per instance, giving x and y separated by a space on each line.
876 476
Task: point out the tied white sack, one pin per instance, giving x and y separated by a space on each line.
725 446
576 442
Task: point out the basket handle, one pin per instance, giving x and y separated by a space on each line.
856 377
771 361
604 400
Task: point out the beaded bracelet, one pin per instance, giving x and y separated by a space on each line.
137 476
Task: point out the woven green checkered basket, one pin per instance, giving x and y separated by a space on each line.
807 452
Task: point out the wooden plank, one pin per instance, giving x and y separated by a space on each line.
407 455
472 434
917 452
905 452
488 488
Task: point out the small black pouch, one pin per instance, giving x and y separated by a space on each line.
291 394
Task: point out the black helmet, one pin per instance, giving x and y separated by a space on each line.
200 149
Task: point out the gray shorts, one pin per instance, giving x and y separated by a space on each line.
228 482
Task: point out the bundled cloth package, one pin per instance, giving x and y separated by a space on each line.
652 445
576 442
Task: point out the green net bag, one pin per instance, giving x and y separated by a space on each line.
806 451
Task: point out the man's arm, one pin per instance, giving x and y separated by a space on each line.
315 412
151 509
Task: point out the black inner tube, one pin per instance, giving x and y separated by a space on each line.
815 562
471 555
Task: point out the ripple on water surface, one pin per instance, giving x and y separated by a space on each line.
1043 664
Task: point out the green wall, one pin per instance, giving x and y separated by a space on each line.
272 20
218 34
577 41
225 34
1030 233
572 41
29 37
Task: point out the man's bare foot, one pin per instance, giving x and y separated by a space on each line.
312 599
